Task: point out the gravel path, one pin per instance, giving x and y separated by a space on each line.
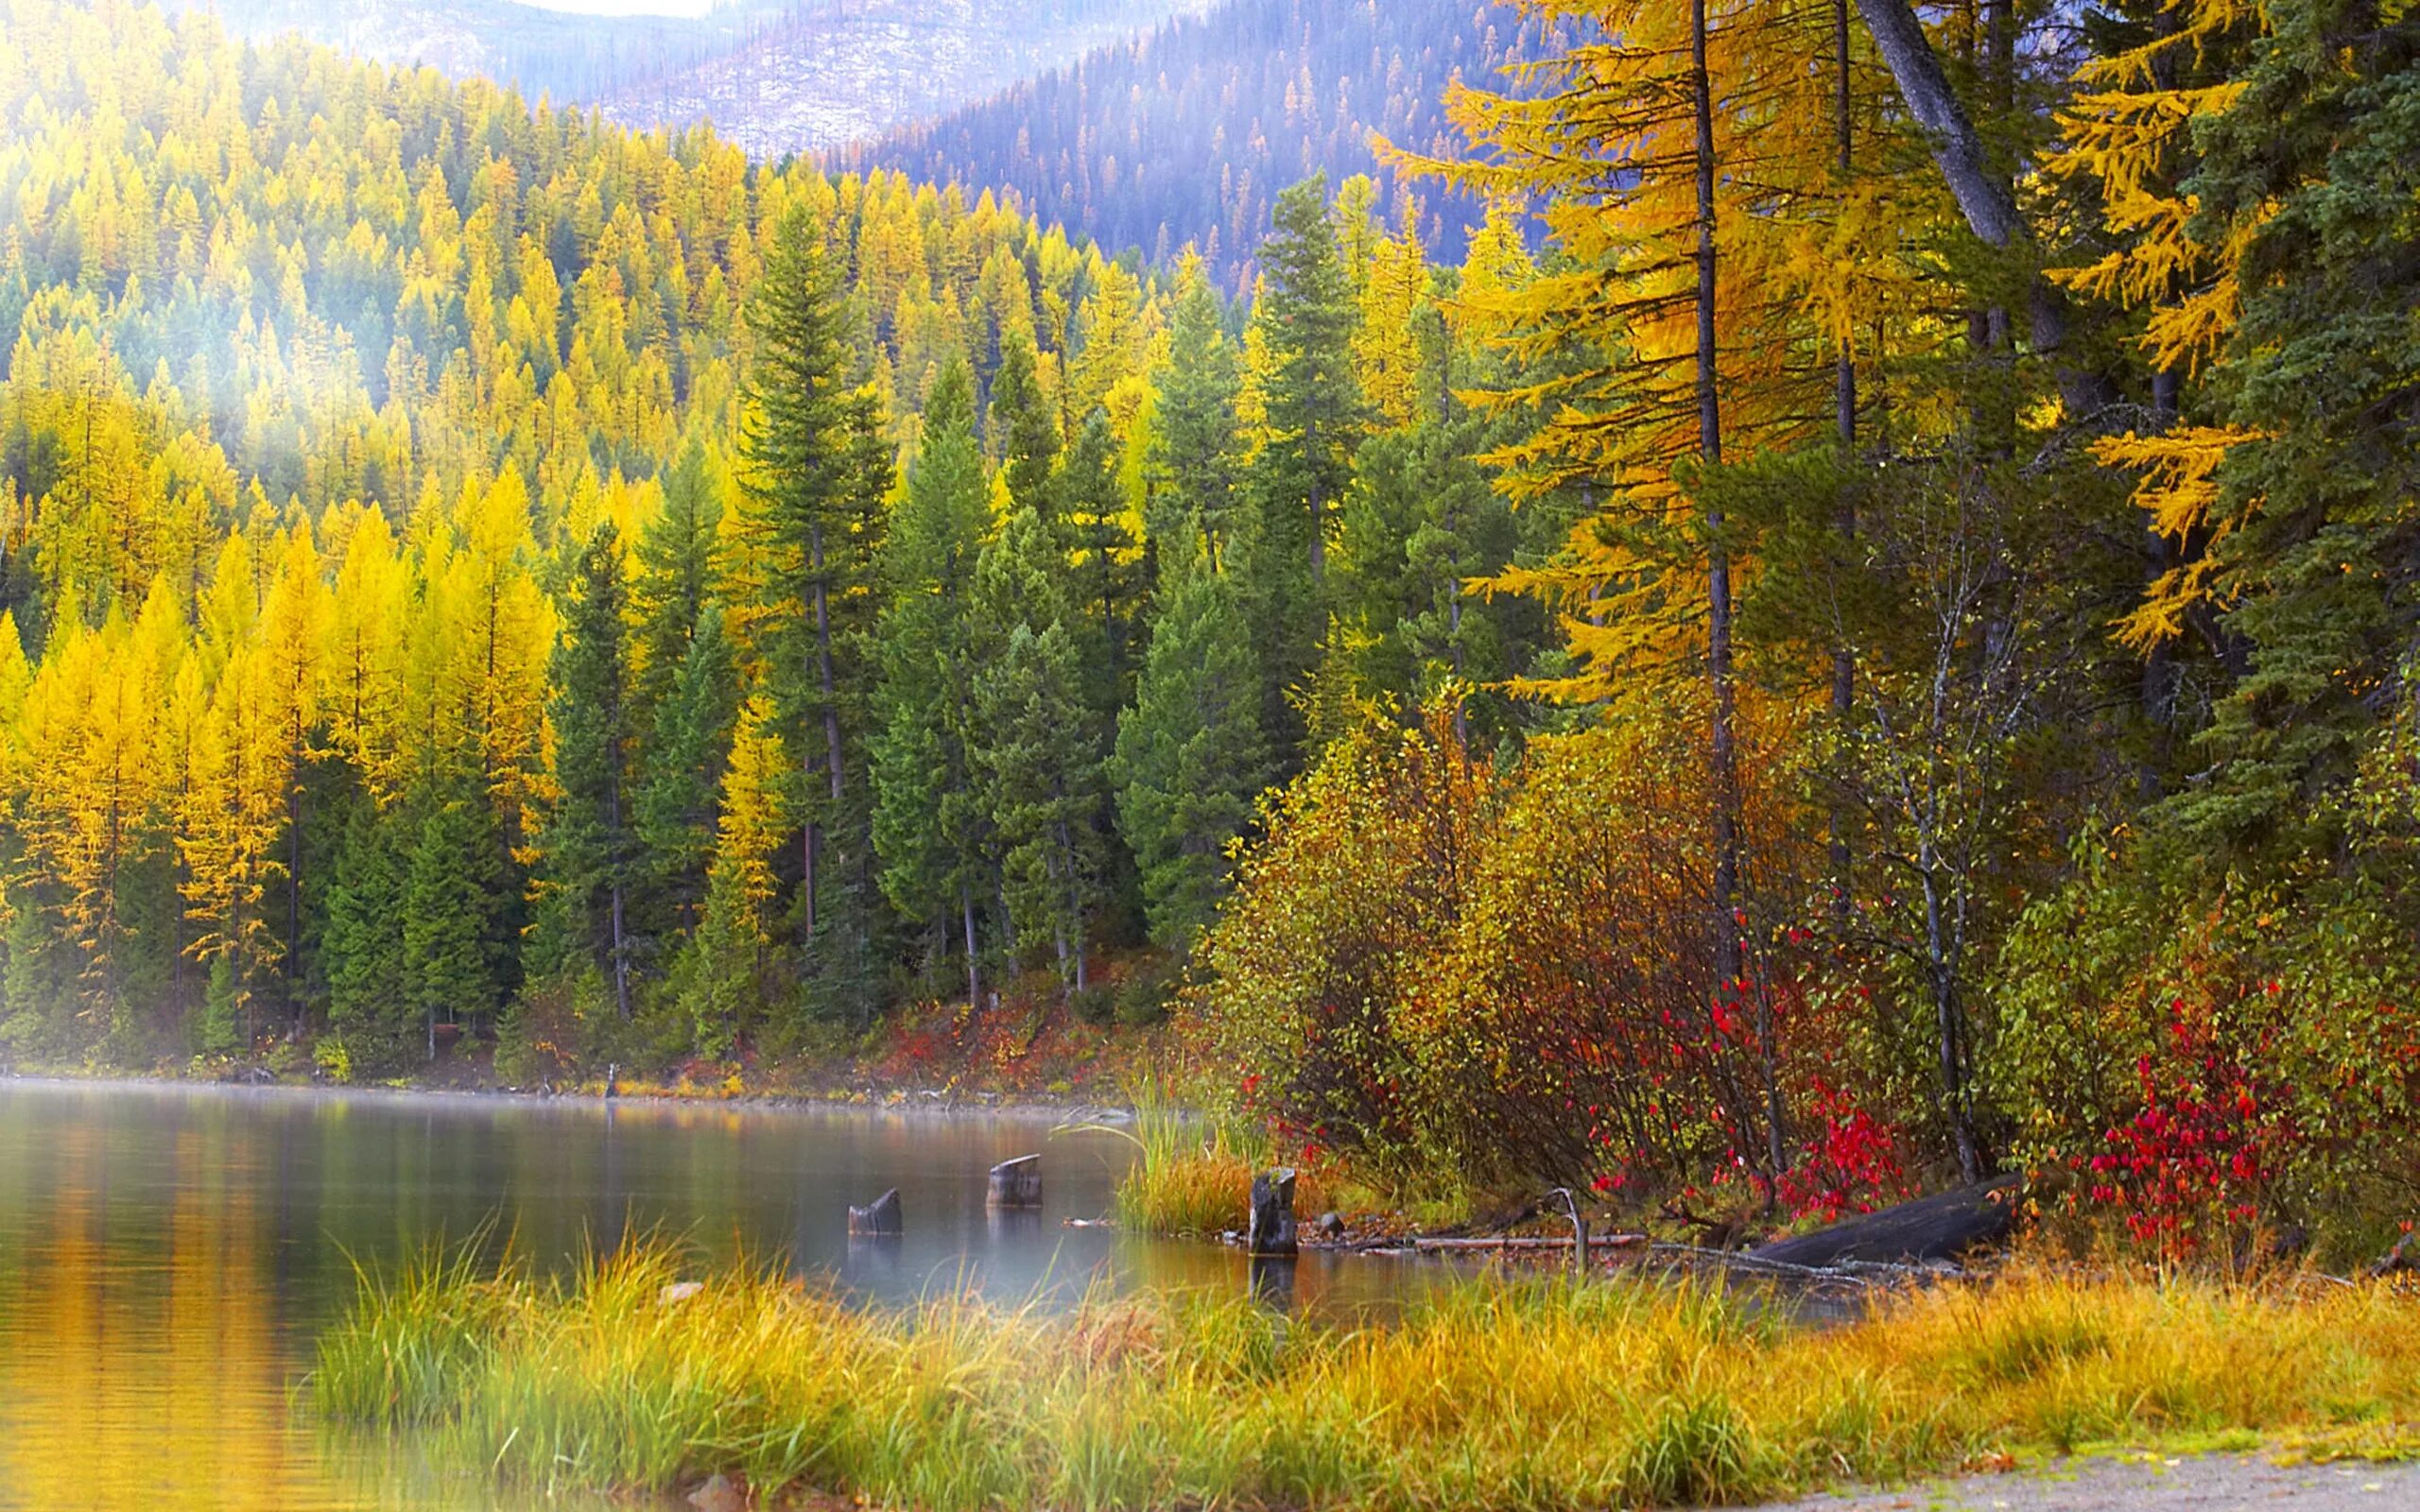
2207 1483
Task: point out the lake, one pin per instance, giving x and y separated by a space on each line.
168 1253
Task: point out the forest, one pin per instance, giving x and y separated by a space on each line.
1186 136
1859 635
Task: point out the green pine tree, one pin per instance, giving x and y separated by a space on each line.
677 574
1315 416
1043 763
1105 580
1189 754
818 468
1023 430
2325 367
590 850
930 821
459 914
369 1004
678 795
1193 459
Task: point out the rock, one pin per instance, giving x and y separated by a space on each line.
678 1292
1943 1226
1331 1225
1270 1230
878 1219
1016 1184
719 1495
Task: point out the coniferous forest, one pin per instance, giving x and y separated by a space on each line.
1859 630
1188 135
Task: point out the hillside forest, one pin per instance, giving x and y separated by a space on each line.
1186 136
1878 648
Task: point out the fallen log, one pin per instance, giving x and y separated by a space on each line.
1946 1226
1460 1246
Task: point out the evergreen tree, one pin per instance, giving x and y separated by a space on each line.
368 1001
1106 570
590 850
2317 163
1419 524
1315 411
1312 417
1023 430
930 823
818 469
676 575
1044 765
1193 459
1189 754
678 799
459 913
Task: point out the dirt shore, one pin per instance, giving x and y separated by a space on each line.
2201 1482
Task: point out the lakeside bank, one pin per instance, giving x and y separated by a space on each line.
641 1373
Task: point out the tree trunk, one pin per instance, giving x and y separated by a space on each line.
831 716
1948 1021
615 848
974 962
1723 754
1844 422
1987 202
1319 524
294 883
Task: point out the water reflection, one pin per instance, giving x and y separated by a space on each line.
167 1254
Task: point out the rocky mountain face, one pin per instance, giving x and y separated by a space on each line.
776 76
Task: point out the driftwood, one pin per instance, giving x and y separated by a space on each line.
878 1219
1270 1229
1946 1226
2395 1262
1519 1242
1016 1184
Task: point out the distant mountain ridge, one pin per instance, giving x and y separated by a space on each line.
776 76
1188 133
825 75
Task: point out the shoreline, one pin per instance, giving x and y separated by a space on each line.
922 1102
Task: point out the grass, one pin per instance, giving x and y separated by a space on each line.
1192 1172
1488 1395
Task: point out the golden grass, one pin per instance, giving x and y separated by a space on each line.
1530 1395
1192 1172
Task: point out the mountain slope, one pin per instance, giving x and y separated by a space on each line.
1189 134
833 72
775 76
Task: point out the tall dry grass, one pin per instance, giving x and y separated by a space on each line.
1192 1171
1488 1395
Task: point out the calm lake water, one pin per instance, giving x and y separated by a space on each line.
169 1253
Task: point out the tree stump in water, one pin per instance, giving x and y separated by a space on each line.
1269 1230
878 1219
1016 1184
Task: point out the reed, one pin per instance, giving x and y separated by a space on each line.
1492 1394
1192 1171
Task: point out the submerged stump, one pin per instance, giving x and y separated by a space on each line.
878 1219
1269 1230
1016 1184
